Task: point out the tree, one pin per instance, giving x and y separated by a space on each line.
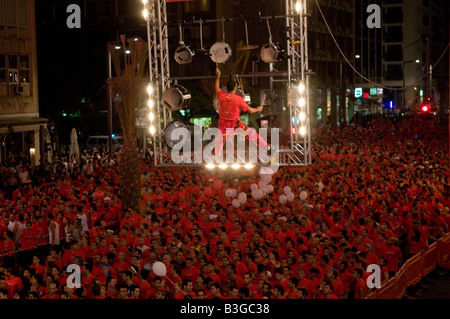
127 88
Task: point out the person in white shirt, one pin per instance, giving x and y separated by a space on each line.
23 175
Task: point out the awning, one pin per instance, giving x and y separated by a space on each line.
20 123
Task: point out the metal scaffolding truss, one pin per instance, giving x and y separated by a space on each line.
299 153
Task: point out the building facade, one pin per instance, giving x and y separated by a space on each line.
415 34
21 128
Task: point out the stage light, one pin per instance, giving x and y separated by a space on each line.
152 129
301 88
150 103
301 102
298 7
145 14
151 116
249 166
236 166
302 130
149 89
425 108
302 116
223 166
210 166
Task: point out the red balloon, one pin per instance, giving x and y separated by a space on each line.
207 190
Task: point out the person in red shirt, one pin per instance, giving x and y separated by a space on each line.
8 248
393 256
187 292
360 288
230 106
327 292
39 269
190 271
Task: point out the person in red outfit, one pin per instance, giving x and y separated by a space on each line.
230 106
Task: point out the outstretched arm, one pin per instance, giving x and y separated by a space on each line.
217 83
255 109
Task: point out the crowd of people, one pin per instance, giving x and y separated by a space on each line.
375 195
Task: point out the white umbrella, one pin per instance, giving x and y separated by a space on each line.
48 142
73 148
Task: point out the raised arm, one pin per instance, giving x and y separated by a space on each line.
217 83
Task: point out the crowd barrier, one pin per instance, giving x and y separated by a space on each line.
414 269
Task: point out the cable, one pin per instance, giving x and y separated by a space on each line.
362 76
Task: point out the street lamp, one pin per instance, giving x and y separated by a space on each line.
403 87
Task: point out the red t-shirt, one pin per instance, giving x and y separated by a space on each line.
230 106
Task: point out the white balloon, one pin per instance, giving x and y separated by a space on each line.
269 188
242 198
159 269
303 195
261 184
233 192
257 194
253 187
236 203
286 189
282 199
228 192
290 197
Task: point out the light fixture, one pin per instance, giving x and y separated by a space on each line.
302 116
357 56
417 61
144 2
236 166
223 166
118 47
127 51
301 88
152 129
301 102
145 14
298 7
302 131
210 166
151 116
150 103
149 89
248 166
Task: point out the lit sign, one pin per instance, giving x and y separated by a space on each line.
358 92
373 91
380 91
366 95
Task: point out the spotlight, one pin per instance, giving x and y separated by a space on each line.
152 129
149 89
301 88
210 166
249 166
302 131
145 14
301 102
223 166
302 116
236 166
